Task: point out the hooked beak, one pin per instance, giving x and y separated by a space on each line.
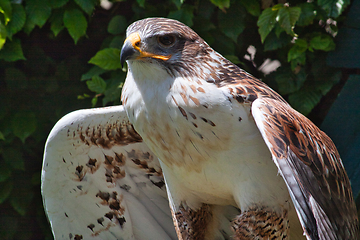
132 50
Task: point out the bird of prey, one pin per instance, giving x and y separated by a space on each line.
229 155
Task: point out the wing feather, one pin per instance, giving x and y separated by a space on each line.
100 181
311 166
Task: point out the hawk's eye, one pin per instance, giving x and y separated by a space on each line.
166 40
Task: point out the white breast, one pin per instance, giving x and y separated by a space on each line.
209 146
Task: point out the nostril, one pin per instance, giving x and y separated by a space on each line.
137 44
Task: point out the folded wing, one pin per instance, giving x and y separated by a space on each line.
311 166
100 181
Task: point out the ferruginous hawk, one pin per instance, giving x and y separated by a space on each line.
227 153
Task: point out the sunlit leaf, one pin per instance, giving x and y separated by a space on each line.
37 12
108 58
95 70
17 20
297 49
287 17
96 84
6 10
322 42
333 7
3 35
2 137
12 51
266 22
75 22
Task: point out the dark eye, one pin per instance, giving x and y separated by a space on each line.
166 40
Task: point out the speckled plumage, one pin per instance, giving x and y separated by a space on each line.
238 162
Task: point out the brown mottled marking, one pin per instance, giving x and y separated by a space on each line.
184 98
192 115
78 237
200 89
261 223
193 88
195 100
192 224
183 112
174 101
91 227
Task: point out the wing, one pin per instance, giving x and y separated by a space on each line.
100 181
311 166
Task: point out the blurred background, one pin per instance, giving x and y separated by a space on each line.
57 56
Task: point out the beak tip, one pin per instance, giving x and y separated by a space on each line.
127 51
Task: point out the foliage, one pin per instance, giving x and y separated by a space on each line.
47 46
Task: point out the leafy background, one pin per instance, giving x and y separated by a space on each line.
57 56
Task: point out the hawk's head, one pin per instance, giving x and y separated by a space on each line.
163 41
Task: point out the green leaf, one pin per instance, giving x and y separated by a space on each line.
117 41
299 47
56 21
287 17
141 3
308 14
23 124
272 42
288 82
76 23
178 3
57 3
13 157
20 200
5 190
252 6
94 101
6 10
5 173
96 84
322 42
111 94
108 58
117 25
184 15
12 51
233 22
333 7
37 12
267 21
305 100
222 4
95 70
3 35
232 58
86 5
15 79
17 20
2 137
